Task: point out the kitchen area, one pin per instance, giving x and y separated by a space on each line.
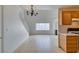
68 25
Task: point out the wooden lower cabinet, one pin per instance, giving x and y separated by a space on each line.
71 43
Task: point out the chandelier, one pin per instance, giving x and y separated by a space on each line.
32 11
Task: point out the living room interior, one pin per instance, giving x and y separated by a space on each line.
39 28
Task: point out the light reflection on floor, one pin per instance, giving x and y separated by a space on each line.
41 44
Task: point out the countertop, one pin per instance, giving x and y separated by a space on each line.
69 34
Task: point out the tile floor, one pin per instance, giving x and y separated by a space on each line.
40 44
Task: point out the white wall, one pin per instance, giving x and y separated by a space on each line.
22 17
44 16
14 31
0 46
0 21
0 29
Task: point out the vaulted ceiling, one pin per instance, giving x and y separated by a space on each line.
43 7
47 13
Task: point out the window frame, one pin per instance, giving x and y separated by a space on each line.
41 26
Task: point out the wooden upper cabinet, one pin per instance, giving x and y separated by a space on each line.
66 18
75 14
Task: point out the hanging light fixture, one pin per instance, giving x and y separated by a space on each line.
32 11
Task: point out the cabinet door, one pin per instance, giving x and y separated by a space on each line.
75 14
72 44
66 18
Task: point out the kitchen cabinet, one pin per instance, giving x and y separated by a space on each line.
75 14
71 43
66 18
68 15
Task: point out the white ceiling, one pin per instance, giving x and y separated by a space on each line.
43 7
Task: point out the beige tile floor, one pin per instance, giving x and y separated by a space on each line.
40 44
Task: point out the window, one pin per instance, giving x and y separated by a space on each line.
42 26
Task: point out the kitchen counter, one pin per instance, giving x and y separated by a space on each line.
69 34
68 42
